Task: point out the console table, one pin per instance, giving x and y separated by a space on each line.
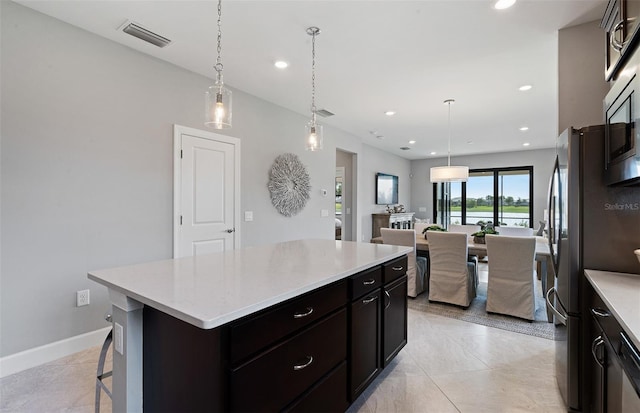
398 220
303 325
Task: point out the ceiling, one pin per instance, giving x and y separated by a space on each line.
371 56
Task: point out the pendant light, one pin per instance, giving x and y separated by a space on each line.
218 105
449 173
314 131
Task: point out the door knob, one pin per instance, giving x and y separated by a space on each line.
230 230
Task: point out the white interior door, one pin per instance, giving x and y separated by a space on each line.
206 192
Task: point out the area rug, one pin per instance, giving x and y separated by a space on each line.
477 313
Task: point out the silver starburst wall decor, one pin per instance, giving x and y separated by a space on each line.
289 184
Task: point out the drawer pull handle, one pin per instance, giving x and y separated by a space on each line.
600 313
369 300
305 365
397 268
301 315
597 342
369 282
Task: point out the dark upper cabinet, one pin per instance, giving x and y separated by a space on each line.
620 23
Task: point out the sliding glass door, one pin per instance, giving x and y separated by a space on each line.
479 197
514 198
498 195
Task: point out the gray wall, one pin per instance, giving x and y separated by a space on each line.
581 84
376 160
541 160
87 170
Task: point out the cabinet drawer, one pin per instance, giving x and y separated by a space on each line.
260 331
394 269
605 320
364 282
271 381
329 395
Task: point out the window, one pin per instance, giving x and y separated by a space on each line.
498 195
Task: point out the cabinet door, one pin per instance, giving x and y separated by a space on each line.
613 24
597 363
364 353
394 321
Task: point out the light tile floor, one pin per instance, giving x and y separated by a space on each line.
447 366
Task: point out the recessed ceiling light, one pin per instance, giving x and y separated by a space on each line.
470 142
524 88
390 112
281 64
432 153
524 128
503 4
526 144
412 142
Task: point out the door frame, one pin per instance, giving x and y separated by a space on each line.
178 131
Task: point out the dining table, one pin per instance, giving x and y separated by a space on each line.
545 269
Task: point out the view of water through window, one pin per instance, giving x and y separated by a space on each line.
484 200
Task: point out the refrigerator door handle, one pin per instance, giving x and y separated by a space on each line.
562 318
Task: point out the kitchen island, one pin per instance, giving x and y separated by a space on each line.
206 327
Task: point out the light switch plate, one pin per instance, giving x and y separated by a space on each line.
248 216
422 209
324 213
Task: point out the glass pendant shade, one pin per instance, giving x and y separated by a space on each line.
449 174
314 136
218 106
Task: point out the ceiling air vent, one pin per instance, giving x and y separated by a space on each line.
324 113
147 35
405 148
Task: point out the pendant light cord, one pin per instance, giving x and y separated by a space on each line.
218 66
313 76
449 102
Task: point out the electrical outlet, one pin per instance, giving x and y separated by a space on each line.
82 298
118 338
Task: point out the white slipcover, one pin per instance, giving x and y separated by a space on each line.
417 266
467 228
452 279
510 289
515 231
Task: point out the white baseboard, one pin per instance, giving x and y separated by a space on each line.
27 359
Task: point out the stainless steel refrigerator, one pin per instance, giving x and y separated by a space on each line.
591 226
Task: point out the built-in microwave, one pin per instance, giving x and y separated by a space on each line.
622 134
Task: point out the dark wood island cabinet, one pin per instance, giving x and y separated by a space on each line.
316 352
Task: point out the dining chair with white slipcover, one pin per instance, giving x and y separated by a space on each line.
452 279
466 228
515 231
417 266
510 288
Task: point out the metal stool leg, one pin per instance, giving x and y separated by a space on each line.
100 373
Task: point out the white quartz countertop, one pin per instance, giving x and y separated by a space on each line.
211 290
621 293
